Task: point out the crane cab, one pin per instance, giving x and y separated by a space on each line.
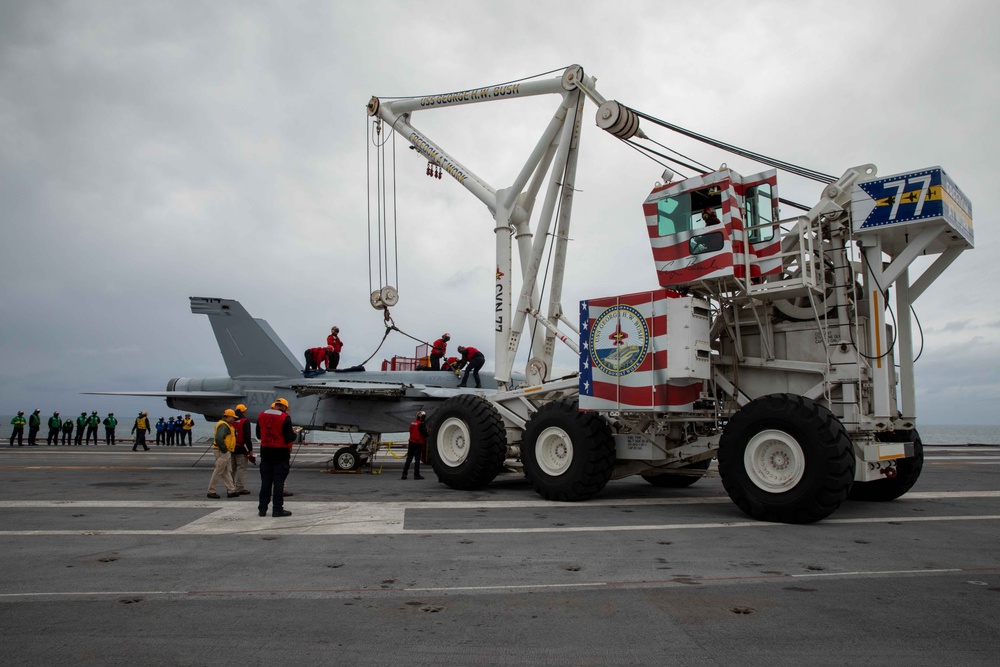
716 226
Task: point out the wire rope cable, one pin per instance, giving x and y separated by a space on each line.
736 150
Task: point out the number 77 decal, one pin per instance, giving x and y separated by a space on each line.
900 185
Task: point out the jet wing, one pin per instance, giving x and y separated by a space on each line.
350 389
376 390
167 394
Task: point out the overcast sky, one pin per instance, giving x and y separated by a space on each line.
154 151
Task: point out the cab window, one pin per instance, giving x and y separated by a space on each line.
759 212
673 215
684 212
711 242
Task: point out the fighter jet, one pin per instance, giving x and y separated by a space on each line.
261 368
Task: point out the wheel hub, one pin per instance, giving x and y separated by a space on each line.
453 442
554 451
774 461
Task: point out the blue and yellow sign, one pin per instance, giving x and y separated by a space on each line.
926 196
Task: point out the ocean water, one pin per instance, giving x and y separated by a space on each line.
930 434
964 434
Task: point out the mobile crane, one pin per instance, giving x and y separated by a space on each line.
767 343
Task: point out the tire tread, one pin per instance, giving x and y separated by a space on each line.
837 456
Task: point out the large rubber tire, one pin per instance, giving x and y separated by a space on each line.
567 455
468 442
785 458
694 472
346 458
907 472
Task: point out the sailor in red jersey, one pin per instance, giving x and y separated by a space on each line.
243 452
472 360
315 356
415 448
333 341
438 350
274 428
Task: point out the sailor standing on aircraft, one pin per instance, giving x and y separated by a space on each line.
333 341
67 431
415 447
274 428
438 350
243 450
472 360
224 444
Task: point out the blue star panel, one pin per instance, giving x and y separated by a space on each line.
925 196
586 377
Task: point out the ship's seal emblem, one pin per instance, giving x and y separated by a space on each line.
619 340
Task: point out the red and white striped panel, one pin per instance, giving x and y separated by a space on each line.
764 259
643 383
672 257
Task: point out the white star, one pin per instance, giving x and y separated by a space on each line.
586 386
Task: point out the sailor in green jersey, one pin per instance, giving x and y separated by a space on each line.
93 421
34 423
18 423
55 425
81 423
110 423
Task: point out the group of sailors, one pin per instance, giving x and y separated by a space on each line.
233 445
60 428
328 355
175 431
471 360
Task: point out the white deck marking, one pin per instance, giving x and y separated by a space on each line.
387 518
541 586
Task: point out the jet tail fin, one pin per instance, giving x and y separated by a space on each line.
249 346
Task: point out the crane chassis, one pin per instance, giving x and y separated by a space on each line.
772 345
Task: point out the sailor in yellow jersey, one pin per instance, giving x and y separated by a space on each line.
224 444
187 425
140 429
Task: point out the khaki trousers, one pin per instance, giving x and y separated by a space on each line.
222 472
238 469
